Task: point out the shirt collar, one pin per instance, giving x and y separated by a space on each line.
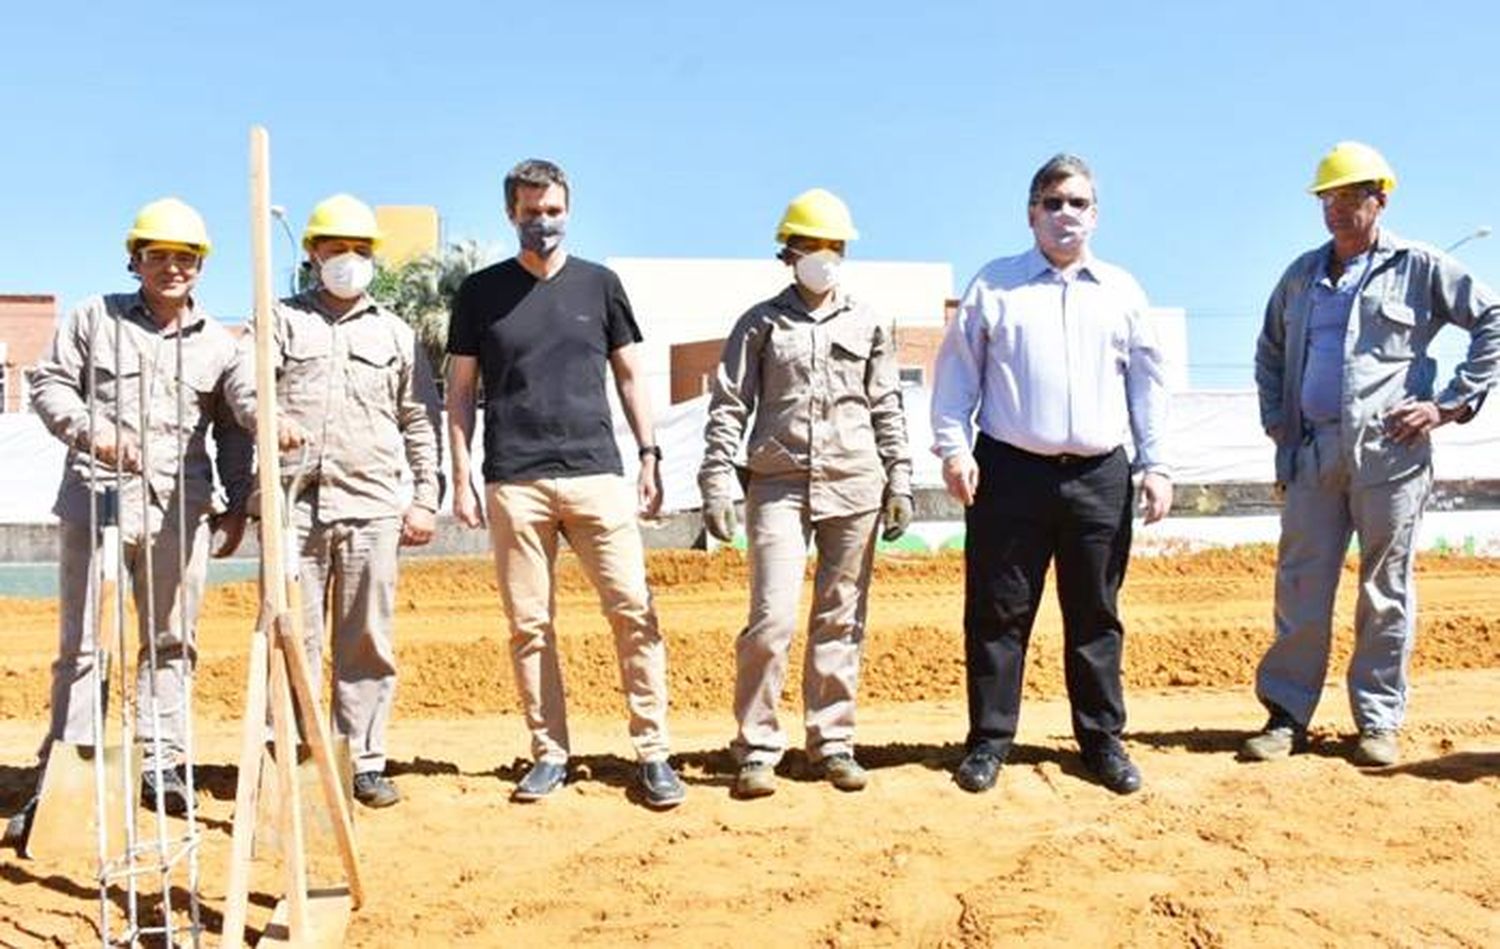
1038 266
141 313
789 299
310 300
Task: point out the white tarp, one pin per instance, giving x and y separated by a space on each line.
1215 438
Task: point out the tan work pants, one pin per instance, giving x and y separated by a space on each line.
596 513
348 575
73 681
778 527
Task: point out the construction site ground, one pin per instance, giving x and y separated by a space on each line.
1214 852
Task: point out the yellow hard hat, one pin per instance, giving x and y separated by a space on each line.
816 213
1350 163
169 221
341 215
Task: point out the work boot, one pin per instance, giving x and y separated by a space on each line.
660 785
844 773
1281 738
1377 748
374 789
173 790
18 827
756 779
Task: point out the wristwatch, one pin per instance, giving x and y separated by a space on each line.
653 450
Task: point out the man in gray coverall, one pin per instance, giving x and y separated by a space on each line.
108 352
1348 394
355 397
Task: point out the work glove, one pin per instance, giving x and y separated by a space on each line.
718 519
897 515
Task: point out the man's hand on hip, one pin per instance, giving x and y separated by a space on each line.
961 475
1411 420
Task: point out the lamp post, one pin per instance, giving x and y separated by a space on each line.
279 213
1477 234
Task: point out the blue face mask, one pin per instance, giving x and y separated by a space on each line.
542 235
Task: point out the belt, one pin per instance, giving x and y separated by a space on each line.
1062 460
1067 459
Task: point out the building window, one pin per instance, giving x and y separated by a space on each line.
911 375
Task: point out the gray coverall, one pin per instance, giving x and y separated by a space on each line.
149 509
827 446
361 389
1349 477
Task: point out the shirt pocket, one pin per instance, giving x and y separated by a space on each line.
199 387
117 385
1390 329
371 370
848 360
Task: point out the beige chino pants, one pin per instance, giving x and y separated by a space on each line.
779 527
596 513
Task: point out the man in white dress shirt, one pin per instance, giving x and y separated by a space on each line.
1053 356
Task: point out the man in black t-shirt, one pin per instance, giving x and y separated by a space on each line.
539 329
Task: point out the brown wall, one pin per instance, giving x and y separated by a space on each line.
27 322
693 364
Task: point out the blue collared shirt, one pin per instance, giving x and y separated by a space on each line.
1327 332
1052 362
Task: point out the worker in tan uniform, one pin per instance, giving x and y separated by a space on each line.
826 455
356 405
155 354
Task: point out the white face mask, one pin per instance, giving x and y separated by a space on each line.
347 275
818 272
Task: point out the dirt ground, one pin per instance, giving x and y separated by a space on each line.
1213 852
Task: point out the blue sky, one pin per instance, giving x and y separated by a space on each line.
687 126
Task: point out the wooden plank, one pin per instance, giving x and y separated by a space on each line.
272 585
319 827
66 825
328 920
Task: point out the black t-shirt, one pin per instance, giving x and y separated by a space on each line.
542 347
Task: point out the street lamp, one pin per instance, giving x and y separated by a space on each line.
1478 233
279 213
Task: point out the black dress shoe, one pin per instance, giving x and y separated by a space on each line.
1116 771
977 772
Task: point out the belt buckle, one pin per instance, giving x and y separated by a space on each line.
1067 459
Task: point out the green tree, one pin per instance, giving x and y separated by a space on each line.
422 290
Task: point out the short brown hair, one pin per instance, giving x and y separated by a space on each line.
534 173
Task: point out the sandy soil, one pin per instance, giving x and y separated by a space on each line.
1213 852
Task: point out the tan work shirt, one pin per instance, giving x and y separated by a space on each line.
114 341
826 396
361 389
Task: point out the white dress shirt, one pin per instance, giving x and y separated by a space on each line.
1055 362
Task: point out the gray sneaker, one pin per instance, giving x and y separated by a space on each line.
543 778
1377 748
844 773
374 789
756 779
1280 739
18 827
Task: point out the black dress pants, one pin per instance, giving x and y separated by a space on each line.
1031 510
